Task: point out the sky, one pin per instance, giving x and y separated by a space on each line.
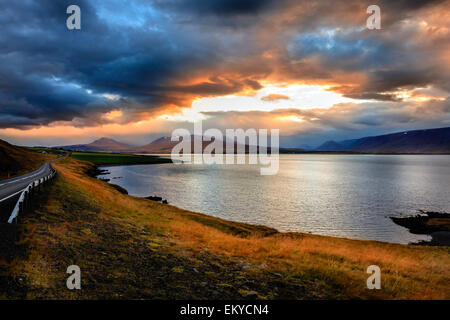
139 69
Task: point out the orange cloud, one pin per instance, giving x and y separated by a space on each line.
297 42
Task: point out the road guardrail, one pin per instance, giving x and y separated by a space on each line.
27 193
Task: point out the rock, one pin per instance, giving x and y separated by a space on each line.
165 202
154 198
119 188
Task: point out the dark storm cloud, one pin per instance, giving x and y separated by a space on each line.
389 63
50 73
150 54
218 7
39 80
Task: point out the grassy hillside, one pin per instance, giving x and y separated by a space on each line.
17 160
130 247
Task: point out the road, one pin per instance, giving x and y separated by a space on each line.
11 187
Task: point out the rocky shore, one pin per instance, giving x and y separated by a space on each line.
435 224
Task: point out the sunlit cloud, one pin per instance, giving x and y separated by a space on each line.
300 97
112 115
145 67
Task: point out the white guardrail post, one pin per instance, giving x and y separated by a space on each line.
24 200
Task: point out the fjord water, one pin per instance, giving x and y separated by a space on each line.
338 195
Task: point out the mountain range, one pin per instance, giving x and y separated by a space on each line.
416 141
161 145
103 144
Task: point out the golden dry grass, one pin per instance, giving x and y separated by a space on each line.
408 272
16 160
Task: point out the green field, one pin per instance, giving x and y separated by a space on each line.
101 158
47 150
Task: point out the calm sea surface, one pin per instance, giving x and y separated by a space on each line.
339 195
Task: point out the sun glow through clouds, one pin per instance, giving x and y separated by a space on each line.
267 99
290 96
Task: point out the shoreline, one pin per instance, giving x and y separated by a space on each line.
130 164
330 152
434 224
133 248
113 159
437 240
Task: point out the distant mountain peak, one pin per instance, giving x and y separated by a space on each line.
107 141
102 144
330 145
414 141
162 139
104 139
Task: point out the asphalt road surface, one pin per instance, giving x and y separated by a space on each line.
12 187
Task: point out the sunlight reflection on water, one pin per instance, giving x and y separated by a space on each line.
338 195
